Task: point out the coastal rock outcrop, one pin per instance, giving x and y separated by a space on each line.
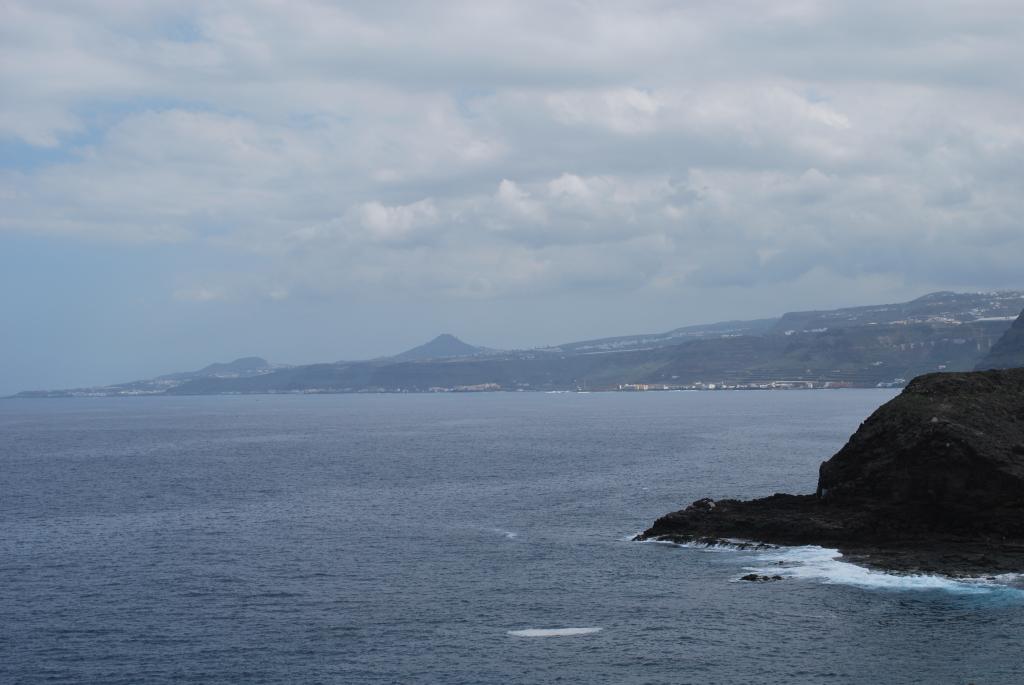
931 481
757 578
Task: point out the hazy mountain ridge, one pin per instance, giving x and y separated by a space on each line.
859 346
1008 352
243 367
673 337
934 308
444 346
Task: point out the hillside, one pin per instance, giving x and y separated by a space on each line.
862 356
1008 352
673 337
880 345
866 347
244 367
942 308
443 346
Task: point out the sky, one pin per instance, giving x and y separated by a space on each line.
183 182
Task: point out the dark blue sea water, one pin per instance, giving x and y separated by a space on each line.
405 539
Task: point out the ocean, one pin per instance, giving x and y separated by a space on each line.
451 538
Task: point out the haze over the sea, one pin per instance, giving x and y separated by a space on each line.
186 181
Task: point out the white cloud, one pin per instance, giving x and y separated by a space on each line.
518 201
623 110
391 223
484 148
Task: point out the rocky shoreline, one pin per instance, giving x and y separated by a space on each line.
932 482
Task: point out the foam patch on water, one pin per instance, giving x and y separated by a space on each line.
826 566
507 534
553 632
726 545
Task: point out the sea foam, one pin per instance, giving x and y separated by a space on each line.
553 632
826 566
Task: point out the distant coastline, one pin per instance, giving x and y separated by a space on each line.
60 394
877 346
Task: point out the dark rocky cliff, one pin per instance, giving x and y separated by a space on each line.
933 480
948 444
1008 352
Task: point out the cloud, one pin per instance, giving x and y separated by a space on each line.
519 202
487 150
392 223
623 110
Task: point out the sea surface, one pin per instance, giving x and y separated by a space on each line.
449 539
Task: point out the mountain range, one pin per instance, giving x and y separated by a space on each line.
877 345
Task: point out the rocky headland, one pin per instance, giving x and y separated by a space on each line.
933 482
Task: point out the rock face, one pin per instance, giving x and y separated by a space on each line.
1008 352
951 446
933 480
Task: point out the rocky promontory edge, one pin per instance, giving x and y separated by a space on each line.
932 481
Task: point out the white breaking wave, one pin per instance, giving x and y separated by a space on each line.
727 545
553 632
826 566
507 534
